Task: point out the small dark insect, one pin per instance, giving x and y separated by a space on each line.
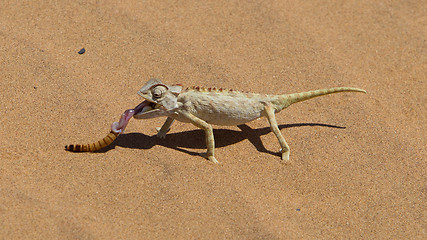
82 51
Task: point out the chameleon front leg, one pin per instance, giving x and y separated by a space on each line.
285 150
209 137
161 132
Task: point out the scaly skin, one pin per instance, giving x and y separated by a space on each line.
203 107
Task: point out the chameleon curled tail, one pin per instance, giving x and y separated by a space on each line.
92 147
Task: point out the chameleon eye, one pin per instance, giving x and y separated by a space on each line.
157 93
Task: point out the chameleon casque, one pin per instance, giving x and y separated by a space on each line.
205 107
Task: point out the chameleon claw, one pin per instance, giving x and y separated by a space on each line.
161 134
210 158
213 159
285 156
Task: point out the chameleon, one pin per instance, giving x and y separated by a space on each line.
204 107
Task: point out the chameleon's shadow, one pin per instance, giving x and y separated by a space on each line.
195 139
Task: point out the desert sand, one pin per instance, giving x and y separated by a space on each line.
358 161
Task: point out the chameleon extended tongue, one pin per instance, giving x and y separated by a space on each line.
119 127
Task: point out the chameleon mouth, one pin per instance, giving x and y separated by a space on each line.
146 107
138 112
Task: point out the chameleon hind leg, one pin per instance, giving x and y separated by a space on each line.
284 148
209 137
161 132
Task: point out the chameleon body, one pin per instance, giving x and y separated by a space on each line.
205 107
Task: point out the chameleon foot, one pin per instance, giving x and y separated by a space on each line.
160 133
210 158
213 159
285 156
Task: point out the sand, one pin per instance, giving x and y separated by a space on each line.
358 161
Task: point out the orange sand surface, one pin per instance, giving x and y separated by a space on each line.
358 161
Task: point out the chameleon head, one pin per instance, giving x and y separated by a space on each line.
159 99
